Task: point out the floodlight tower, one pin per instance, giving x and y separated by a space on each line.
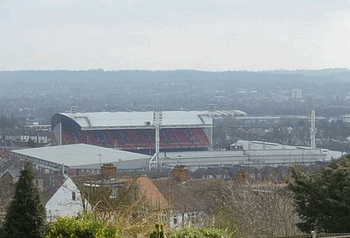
212 109
157 121
313 129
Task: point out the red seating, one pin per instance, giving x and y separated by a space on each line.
67 138
135 139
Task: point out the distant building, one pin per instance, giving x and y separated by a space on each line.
82 159
249 153
135 131
297 93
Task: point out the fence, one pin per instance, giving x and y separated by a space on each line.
323 235
334 235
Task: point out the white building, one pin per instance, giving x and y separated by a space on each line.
67 201
250 153
81 158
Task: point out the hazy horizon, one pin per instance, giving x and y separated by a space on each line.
164 70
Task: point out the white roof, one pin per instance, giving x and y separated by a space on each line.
229 113
262 145
139 119
80 154
257 154
257 148
121 165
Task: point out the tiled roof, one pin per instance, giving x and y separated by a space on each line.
187 196
152 193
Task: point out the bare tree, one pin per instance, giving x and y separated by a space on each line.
253 211
128 208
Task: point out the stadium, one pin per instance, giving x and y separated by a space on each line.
136 131
182 137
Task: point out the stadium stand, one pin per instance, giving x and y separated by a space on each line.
134 131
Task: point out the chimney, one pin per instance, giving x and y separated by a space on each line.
180 173
109 171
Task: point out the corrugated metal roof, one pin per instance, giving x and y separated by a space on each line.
256 154
261 148
80 154
134 164
118 119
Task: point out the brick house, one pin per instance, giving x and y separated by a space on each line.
184 199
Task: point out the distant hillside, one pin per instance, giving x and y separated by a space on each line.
38 93
38 80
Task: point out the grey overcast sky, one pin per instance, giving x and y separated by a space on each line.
211 35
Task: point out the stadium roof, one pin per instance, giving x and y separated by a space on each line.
253 153
256 148
228 113
79 155
124 120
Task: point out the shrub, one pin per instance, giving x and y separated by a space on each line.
190 232
158 232
81 227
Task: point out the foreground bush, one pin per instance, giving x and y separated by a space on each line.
81 227
190 232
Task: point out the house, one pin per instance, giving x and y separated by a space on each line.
183 198
153 195
9 176
181 201
107 184
7 189
66 201
211 173
60 196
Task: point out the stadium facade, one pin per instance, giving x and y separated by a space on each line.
250 153
136 131
183 137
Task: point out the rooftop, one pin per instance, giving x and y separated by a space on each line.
137 119
81 155
187 196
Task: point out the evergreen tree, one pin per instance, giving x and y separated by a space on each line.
25 214
322 199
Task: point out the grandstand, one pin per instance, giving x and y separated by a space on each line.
135 131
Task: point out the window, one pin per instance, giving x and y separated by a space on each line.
175 220
73 196
193 218
114 193
164 218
